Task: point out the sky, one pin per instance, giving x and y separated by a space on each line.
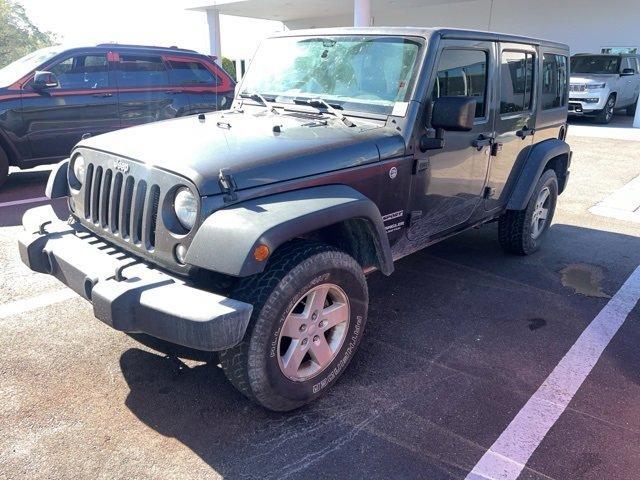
147 22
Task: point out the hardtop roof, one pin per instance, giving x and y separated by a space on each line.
426 33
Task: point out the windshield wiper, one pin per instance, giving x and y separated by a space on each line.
319 102
258 97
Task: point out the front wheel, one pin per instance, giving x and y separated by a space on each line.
309 314
605 115
522 231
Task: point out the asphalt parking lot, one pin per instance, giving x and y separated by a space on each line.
458 341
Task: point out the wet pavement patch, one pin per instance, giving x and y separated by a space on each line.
584 279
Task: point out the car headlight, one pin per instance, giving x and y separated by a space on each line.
186 208
79 168
596 86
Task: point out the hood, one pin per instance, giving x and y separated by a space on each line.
250 148
588 78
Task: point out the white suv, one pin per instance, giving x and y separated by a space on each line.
602 83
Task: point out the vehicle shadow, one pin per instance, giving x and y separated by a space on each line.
457 340
16 194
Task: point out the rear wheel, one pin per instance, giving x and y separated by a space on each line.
310 309
522 231
4 167
605 115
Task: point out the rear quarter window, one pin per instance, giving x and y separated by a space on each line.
554 81
187 72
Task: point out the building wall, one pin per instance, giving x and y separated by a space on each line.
586 25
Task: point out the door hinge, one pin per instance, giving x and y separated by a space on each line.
420 165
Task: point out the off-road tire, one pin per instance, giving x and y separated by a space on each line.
605 115
252 367
4 167
631 109
514 227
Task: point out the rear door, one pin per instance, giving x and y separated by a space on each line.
84 103
515 120
208 88
145 91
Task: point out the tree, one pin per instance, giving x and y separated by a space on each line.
18 35
228 65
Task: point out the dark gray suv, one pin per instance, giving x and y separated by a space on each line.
250 232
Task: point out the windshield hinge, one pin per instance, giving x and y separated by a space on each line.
227 185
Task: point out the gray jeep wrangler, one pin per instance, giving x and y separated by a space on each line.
249 232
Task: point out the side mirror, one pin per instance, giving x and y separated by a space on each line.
44 80
627 72
455 114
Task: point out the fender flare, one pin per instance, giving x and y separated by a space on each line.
537 157
226 240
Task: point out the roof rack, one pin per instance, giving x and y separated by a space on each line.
155 47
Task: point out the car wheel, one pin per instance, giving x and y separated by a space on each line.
606 114
309 313
4 168
631 109
522 231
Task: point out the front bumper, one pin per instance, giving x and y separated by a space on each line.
588 102
126 293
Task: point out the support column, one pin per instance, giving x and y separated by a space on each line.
213 20
362 13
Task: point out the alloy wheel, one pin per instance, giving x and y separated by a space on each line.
313 332
541 213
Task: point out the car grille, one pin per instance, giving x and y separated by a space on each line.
578 87
122 205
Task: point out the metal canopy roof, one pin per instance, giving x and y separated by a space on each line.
287 10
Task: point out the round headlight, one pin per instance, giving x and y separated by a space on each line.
186 207
79 168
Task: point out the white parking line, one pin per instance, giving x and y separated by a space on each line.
24 202
39 301
509 454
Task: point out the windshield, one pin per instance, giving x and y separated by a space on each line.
598 64
357 73
18 69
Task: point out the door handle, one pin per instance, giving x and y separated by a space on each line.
103 95
525 132
482 141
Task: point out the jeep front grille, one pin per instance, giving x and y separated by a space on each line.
578 87
122 205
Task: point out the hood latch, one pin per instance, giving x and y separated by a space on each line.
227 185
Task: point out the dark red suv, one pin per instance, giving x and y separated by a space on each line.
54 97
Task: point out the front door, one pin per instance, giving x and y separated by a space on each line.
449 182
84 103
630 83
515 120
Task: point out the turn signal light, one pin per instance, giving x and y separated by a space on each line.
261 253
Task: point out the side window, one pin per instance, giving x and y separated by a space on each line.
463 73
82 72
554 81
185 72
141 71
516 81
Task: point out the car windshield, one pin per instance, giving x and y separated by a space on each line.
356 73
18 69
598 64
